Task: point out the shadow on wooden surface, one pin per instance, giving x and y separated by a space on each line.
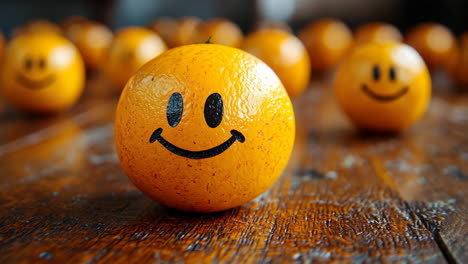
345 196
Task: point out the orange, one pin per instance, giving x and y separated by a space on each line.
285 54
71 27
37 26
204 128
186 31
165 27
460 72
220 31
383 86
435 43
271 24
43 72
377 32
93 41
326 41
131 48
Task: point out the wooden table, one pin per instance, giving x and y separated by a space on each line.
345 196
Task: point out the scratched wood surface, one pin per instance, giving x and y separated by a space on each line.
346 196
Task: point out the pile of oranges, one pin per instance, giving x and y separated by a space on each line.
205 120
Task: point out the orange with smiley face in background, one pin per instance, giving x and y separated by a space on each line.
204 128
131 48
383 86
42 73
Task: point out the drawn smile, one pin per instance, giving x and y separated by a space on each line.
35 84
384 98
203 154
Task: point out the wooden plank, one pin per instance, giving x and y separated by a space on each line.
430 171
66 199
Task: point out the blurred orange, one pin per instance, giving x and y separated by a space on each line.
460 72
377 32
221 31
165 27
38 25
93 41
327 41
71 26
186 31
42 73
271 24
285 54
435 43
384 87
131 48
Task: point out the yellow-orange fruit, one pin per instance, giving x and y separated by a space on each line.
93 41
186 31
131 48
460 71
37 26
71 27
435 43
220 31
271 24
326 41
165 27
376 32
383 86
43 72
204 128
285 54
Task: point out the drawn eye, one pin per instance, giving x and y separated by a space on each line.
174 110
392 73
214 110
28 63
42 63
376 73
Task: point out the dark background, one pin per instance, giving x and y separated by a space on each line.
118 13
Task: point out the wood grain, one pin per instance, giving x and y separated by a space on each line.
346 196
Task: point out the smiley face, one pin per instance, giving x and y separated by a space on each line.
43 72
31 65
213 115
383 86
131 48
384 97
204 128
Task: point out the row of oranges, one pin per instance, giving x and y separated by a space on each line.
326 40
320 45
